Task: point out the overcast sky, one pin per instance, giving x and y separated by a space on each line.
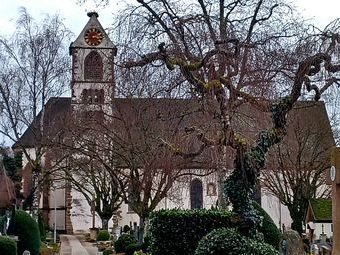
75 15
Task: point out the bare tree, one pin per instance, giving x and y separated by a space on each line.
296 170
34 67
129 152
232 53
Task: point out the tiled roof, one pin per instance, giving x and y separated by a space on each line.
169 114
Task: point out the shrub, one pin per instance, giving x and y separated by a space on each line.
177 232
41 226
141 253
7 246
23 226
146 244
123 242
107 252
44 250
271 233
126 229
229 241
131 248
103 235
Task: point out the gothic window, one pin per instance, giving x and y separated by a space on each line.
211 189
93 66
196 194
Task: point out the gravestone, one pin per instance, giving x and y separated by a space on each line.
291 243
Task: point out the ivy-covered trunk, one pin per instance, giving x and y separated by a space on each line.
248 163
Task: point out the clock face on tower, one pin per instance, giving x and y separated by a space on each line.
93 36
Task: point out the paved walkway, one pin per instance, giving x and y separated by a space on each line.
71 245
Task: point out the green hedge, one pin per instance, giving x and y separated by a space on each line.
108 252
103 235
229 241
177 232
23 226
7 246
123 242
271 233
130 249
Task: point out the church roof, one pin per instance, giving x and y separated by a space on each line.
182 113
57 110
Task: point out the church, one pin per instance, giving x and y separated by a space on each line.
163 119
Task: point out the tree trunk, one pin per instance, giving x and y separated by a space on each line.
142 221
105 223
297 214
221 176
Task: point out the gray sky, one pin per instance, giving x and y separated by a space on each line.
75 15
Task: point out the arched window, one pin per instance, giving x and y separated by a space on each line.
93 66
196 194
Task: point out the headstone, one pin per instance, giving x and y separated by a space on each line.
291 243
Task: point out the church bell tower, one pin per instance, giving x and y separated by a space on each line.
93 83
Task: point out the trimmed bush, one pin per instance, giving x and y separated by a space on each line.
229 241
7 246
271 233
103 235
123 242
130 249
108 252
177 232
23 226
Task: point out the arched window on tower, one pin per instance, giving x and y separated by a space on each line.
196 194
93 66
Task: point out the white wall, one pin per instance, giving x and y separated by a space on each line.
278 212
179 197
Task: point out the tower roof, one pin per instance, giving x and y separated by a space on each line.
93 23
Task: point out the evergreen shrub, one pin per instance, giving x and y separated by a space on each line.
103 235
123 242
26 228
7 246
177 232
131 248
108 252
271 233
229 241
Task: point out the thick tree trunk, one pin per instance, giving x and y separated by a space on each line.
105 223
142 222
221 176
297 213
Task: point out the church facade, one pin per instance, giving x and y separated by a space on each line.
93 90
